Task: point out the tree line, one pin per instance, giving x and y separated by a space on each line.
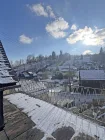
32 58
100 57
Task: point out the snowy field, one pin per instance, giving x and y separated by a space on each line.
49 118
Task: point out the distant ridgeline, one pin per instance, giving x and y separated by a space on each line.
6 73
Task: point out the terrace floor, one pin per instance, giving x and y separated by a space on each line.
18 126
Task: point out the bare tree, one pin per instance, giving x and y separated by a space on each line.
30 58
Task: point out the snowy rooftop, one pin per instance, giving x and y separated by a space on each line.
5 68
92 74
66 68
86 58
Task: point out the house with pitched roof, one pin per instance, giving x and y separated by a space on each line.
92 78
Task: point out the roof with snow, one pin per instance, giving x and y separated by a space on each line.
86 58
6 76
92 75
65 68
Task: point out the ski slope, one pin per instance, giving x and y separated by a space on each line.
49 118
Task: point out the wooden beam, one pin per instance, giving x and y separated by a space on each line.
10 87
1 111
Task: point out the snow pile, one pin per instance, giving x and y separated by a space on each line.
49 118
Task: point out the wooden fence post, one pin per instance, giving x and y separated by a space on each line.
1 111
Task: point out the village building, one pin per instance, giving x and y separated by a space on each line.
92 78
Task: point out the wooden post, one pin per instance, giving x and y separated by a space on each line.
1 111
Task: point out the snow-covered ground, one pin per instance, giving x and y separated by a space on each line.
49 118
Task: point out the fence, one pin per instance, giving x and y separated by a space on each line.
84 101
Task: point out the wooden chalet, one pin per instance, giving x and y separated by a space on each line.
92 78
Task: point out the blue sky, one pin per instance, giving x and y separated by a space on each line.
39 27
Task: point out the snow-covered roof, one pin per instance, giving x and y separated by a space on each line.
103 107
34 74
92 75
66 68
5 68
30 72
67 62
6 80
26 74
40 72
86 58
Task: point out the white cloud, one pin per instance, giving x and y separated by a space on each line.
25 40
73 27
38 9
57 28
50 11
87 52
41 10
88 36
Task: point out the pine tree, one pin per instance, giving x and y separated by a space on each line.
53 55
101 50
